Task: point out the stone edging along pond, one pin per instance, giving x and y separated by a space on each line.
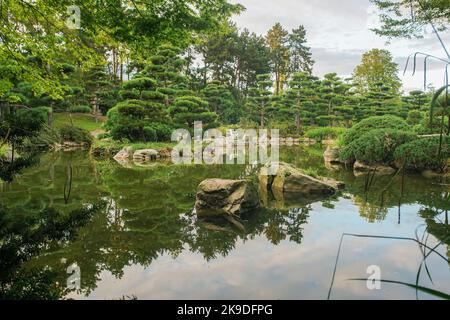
332 158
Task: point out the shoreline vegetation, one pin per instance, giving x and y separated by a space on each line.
376 144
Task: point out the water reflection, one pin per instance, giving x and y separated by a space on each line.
147 229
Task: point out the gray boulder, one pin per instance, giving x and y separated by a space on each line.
331 155
145 155
360 168
125 154
219 197
292 185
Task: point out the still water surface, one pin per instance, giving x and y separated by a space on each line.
146 243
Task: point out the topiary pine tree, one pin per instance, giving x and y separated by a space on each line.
259 98
100 90
332 90
186 110
417 100
142 107
300 96
380 100
222 102
166 68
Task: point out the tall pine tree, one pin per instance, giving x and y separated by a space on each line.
277 40
300 53
300 96
222 102
260 97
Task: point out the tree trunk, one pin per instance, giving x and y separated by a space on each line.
448 126
277 83
50 116
262 119
13 149
297 121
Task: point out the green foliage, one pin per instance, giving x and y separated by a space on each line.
99 89
3 149
221 49
440 106
80 120
377 66
376 146
408 19
158 132
80 109
300 53
417 100
23 237
415 117
74 134
325 133
379 100
8 170
378 122
166 68
45 139
424 153
260 97
300 97
277 41
22 124
222 102
188 109
143 107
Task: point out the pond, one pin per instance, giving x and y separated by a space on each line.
146 243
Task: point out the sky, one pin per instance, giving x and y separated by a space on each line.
338 33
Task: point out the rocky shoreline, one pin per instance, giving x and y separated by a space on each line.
332 159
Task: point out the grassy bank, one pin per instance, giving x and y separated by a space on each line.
79 120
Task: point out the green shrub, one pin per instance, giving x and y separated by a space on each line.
425 127
102 136
163 132
157 132
80 109
150 134
423 153
376 146
46 138
43 112
74 134
325 133
379 122
415 117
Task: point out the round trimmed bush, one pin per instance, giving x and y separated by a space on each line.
376 146
157 132
74 134
379 122
423 153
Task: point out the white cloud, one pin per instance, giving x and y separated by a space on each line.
338 32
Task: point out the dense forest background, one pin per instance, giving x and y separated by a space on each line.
158 65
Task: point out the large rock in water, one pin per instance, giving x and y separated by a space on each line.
331 155
218 197
125 154
292 185
360 168
145 155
